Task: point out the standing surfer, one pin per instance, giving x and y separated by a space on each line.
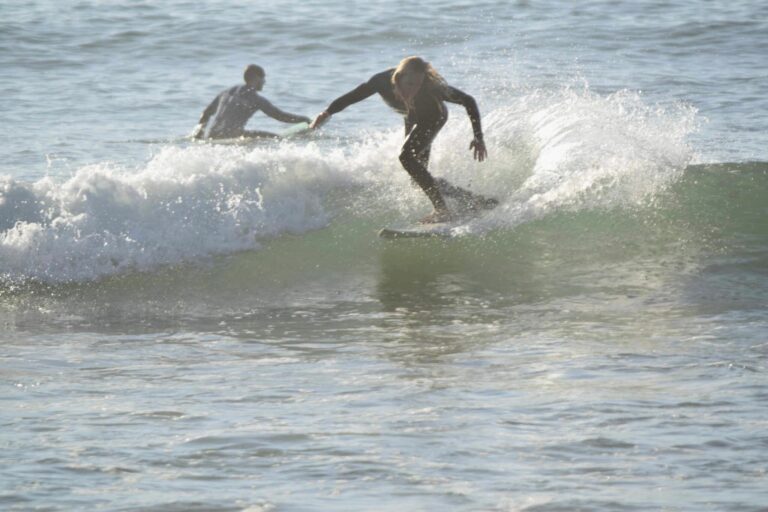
417 91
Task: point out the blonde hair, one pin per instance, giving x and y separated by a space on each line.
432 79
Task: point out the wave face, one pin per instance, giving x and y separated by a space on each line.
569 151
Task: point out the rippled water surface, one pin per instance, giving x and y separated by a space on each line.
193 326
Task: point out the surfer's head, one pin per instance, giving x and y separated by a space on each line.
411 75
254 76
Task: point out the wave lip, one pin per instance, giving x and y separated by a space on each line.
186 204
551 151
587 151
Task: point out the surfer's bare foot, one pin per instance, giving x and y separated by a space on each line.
437 216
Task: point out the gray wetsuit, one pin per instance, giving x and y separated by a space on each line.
230 111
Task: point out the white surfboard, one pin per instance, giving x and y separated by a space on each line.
435 230
474 207
296 129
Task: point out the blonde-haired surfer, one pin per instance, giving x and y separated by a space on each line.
418 92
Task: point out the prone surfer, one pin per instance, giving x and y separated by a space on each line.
226 116
417 91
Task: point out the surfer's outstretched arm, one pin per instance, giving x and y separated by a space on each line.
359 93
275 113
454 95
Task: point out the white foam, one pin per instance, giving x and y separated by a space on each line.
577 150
187 203
548 151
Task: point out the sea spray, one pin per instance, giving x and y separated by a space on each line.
549 152
586 151
187 203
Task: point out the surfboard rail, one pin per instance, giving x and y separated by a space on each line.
438 230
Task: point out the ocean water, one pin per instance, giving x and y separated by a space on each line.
216 326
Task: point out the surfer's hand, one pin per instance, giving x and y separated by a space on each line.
198 132
321 118
480 152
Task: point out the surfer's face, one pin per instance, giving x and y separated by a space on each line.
259 83
409 84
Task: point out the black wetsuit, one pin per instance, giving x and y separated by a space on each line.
231 109
422 123
381 83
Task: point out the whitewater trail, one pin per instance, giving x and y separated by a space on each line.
549 151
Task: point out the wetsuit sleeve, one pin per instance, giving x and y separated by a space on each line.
275 113
359 93
454 95
209 111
